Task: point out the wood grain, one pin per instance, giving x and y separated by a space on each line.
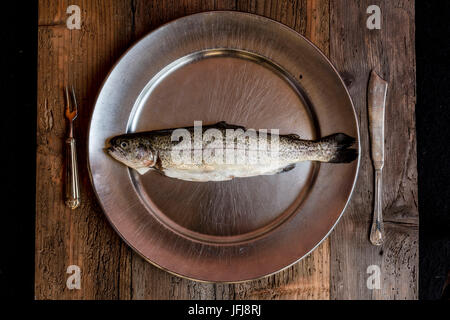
356 50
81 237
110 270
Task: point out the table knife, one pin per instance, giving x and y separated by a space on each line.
376 110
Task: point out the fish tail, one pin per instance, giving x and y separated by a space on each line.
338 146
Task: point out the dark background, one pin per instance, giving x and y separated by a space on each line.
433 144
18 147
18 80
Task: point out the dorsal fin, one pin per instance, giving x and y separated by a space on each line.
219 125
225 125
292 136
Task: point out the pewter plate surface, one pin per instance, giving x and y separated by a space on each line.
245 70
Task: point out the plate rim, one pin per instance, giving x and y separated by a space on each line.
287 28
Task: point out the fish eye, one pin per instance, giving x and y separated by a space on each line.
124 144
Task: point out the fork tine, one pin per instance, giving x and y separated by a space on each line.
67 100
75 105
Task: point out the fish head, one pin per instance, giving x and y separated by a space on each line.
133 151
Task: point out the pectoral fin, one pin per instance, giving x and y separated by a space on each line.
288 168
142 170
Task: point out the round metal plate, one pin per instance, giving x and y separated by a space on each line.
245 70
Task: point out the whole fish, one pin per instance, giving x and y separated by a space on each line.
222 151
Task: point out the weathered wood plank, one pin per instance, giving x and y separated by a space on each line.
308 279
81 237
355 50
110 270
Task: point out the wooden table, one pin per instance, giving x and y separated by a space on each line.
338 268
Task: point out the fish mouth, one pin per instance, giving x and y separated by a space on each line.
109 150
117 154
112 150
108 147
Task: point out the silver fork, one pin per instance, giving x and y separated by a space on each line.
72 188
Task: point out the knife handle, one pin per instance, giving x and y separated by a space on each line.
72 180
377 230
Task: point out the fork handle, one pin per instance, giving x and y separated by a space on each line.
72 180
